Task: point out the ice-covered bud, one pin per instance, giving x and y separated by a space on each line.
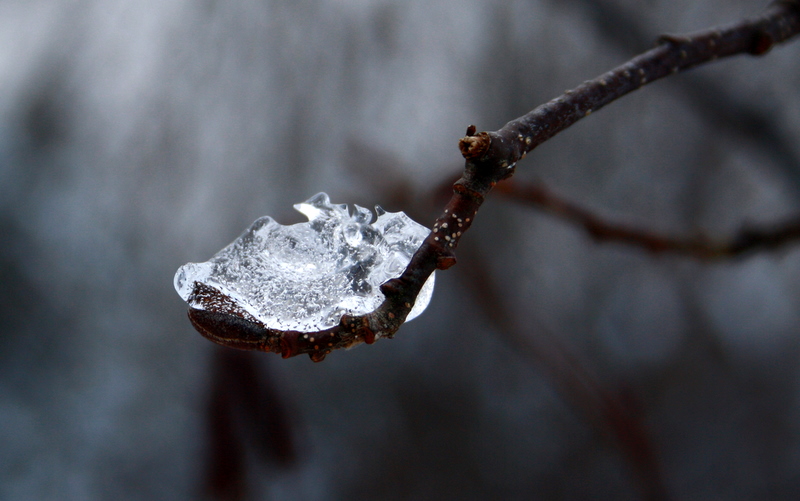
305 276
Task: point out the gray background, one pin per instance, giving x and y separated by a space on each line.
137 136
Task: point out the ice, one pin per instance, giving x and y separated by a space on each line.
305 276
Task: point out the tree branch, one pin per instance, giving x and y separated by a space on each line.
490 158
745 241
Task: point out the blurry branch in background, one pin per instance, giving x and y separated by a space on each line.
247 419
747 240
612 411
492 157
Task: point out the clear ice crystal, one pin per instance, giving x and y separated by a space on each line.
305 276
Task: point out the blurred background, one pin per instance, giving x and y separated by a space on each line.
136 136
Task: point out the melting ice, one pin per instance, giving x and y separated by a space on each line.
305 276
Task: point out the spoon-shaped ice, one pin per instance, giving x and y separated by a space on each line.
305 276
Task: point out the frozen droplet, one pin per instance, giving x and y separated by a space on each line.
305 276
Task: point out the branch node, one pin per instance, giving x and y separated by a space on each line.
288 345
674 40
392 287
317 356
446 261
358 326
462 190
762 43
474 146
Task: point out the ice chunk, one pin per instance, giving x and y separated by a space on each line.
305 276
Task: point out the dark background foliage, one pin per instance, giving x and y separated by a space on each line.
137 136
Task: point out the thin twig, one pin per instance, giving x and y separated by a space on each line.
490 158
710 99
747 240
